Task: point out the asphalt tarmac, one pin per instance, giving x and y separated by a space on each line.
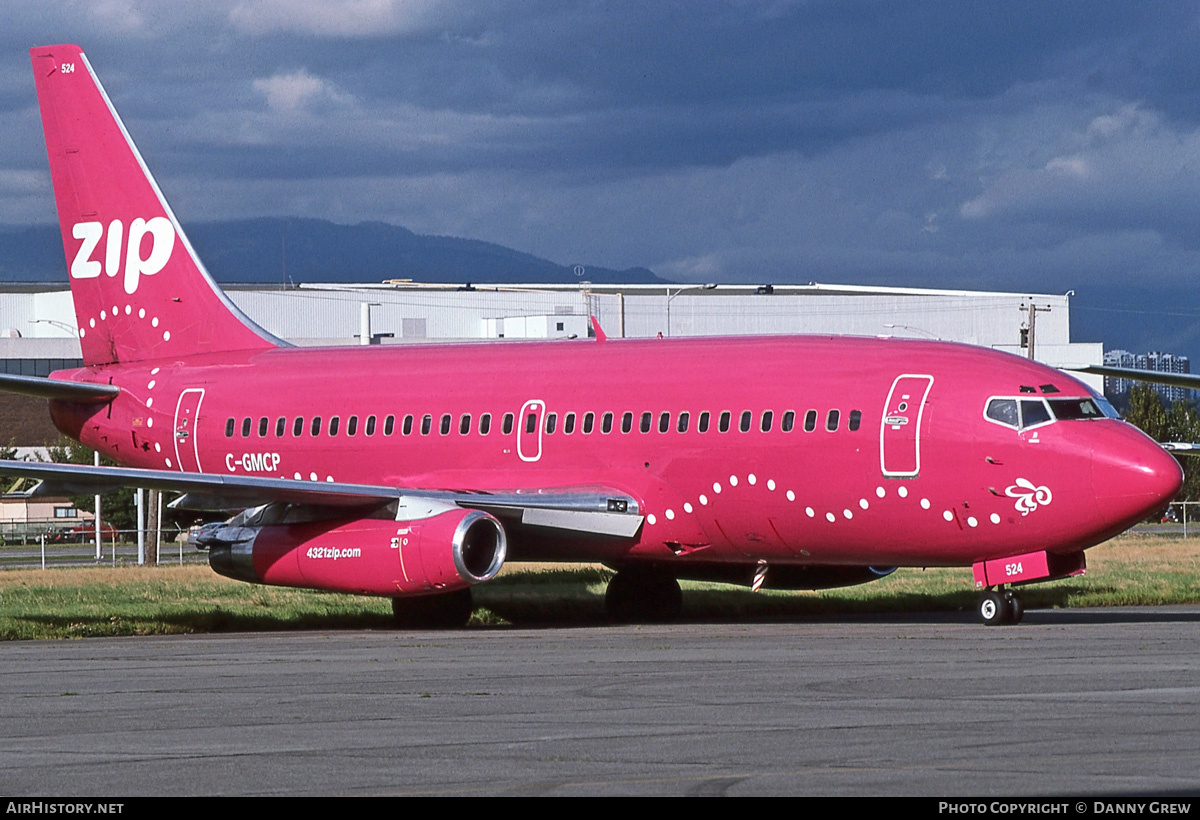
1080 702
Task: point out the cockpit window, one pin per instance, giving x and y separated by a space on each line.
1022 413
1070 409
1003 411
1018 413
1033 412
1106 409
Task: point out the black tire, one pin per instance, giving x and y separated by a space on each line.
451 610
1016 609
993 609
642 596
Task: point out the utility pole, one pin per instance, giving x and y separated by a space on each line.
1031 325
153 525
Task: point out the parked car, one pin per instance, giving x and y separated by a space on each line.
83 533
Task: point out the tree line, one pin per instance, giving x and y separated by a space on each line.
1179 422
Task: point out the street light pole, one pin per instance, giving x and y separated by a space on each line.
671 298
928 333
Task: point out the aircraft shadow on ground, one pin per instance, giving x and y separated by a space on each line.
581 605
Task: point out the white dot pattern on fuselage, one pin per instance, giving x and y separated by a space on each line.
831 516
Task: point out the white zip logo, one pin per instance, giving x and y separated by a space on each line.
162 242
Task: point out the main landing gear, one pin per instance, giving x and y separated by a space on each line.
449 611
642 596
1001 607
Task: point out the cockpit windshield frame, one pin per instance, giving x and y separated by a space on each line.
1025 412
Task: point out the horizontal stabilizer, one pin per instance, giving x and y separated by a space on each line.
56 389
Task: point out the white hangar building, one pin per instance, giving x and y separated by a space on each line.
38 333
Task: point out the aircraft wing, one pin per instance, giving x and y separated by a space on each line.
1181 448
596 510
1189 380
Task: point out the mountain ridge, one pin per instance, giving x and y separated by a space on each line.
263 250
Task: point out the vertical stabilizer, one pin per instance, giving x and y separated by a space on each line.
140 291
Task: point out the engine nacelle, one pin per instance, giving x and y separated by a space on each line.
440 549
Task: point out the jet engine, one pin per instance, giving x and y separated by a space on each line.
420 547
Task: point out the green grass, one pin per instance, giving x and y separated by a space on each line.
72 603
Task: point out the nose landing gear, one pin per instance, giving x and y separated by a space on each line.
1001 607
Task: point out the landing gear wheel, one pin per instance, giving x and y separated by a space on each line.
449 611
641 596
993 609
1016 609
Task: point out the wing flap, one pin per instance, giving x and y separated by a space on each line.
597 510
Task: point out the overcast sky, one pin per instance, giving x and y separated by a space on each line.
1012 146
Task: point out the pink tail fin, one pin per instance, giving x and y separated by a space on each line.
140 291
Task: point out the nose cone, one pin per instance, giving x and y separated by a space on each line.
1132 476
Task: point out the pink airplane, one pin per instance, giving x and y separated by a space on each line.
414 472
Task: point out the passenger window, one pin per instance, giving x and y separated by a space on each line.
280 427
370 428
230 426
315 429
626 422
664 422
506 425
855 419
531 423
788 421
568 424
723 422
426 424
831 421
606 423
352 425
406 426
702 425
298 426
682 426
589 421
1003 411
334 422
262 427
464 424
810 421
444 427
246 427
551 422
645 426
744 424
389 425
485 424
767 419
